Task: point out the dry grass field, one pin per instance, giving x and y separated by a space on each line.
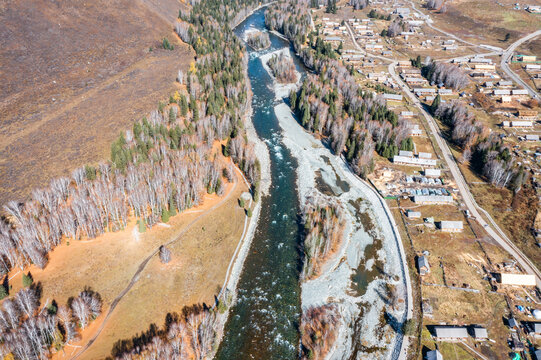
74 74
202 242
485 21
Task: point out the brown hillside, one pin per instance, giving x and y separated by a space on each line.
74 74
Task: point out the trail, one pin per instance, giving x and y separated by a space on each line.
142 266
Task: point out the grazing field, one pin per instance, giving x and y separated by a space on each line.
202 241
465 18
74 76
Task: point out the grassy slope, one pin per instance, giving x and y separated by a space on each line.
93 59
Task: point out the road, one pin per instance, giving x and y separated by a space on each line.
490 227
508 53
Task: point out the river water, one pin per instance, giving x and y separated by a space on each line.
264 322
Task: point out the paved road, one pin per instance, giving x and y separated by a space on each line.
490 227
508 53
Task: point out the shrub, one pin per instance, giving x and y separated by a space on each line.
3 292
165 255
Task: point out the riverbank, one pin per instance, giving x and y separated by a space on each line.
363 278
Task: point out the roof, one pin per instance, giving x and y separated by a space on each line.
536 327
451 225
433 198
537 354
451 332
422 261
513 323
434 355
480 333
432 172
517 279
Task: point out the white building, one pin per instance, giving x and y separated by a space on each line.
516 279
406 160
433 199
433 172
451 226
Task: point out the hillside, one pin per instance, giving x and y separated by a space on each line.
74 74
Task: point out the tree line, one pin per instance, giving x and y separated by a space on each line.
29 331
283 68
444 73
486 151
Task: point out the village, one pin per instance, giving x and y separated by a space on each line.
477 302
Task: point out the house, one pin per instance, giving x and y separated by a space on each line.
333 39
506 99
537 352
516 279
534 9
499 92
424 91
526 58
415 81
480 333
480 60
406 114
451 226
484 67
425 155
422 264
505 83
406 160
532 67
395 97
534 328
519 92
405 153
402 11
432 199
434 355
433 172
512 322
414 130
450 333
413 214
532 138
445 91
517 124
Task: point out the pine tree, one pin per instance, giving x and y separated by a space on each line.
165 215
435 104
27 279
293 99
3 292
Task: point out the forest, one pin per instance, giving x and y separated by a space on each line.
324 222
447 74
258 40
283 68
31 331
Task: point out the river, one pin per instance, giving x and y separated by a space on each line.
264 322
